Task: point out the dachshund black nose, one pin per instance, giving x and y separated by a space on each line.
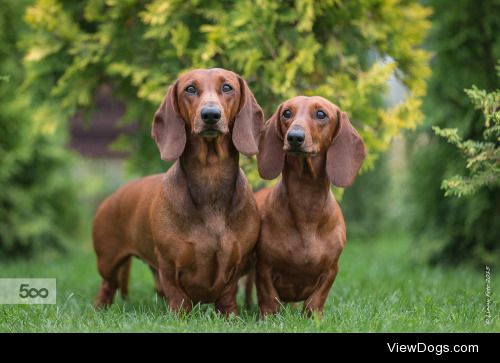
210 114
296 137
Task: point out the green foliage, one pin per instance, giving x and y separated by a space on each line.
466 46
483 157
37 201
343 50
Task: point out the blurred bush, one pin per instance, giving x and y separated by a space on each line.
465 40
38 208
365 206
343 50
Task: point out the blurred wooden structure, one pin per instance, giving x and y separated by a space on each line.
92 138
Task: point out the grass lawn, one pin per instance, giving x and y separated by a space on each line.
380 287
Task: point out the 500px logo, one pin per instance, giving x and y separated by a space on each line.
32 293
27 291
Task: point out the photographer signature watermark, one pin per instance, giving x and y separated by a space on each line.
487 293
27 291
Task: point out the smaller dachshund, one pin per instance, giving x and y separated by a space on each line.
312 143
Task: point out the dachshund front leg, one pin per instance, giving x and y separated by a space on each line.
266 292
316 302
178 301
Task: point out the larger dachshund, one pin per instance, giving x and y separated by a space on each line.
197 224
312 143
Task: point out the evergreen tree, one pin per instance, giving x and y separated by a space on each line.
37 199
343 50
466 46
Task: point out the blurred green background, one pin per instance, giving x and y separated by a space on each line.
80 80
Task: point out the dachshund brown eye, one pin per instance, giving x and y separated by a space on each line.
190 90
226 88
320 115
287 114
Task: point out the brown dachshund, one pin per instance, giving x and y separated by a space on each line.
197 224
313 144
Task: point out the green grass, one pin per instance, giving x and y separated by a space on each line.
381 287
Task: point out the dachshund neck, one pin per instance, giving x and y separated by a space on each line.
211 167
306 186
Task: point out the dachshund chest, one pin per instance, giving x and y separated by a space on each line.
307 250
205 265
297 270
298 261
208 257
310 256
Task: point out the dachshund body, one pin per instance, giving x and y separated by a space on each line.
300 244
197 224
303 232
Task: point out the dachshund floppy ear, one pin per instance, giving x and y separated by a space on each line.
169 129
345 154
271 158
248 123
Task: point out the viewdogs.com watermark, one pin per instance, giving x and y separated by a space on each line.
27 291
437 349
